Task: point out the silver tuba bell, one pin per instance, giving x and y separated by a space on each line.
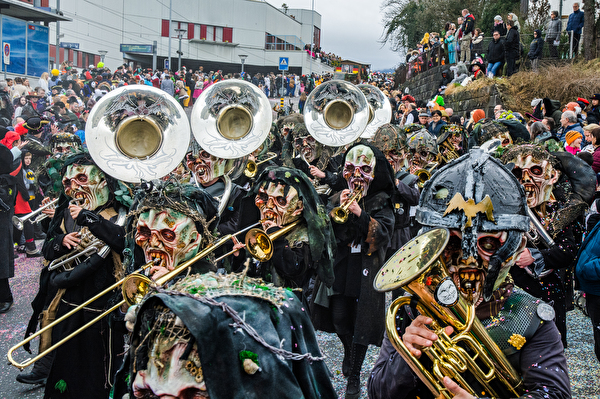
380 109
336 113
137 133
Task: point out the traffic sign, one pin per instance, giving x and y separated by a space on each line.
74 46
137 48
166 63
6 53
284 63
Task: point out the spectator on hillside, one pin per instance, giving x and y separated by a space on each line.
568 122
499 25
495 55
511 48
515 20
553 34
574 26
467 35
477 47
535 49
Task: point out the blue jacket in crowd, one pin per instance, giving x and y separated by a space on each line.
587 270
575 23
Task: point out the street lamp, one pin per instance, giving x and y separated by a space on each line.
243 59
102 54
180 33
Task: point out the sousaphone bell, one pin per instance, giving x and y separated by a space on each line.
380 109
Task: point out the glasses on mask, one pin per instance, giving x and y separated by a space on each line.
350 169
534 170
487 244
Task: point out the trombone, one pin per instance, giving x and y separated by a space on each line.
252 166
133 287
260 244
19 222
425 174
340 214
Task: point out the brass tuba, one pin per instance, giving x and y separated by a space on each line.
336 113
137 133
380 109
419 269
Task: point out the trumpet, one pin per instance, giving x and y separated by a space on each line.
340 214
252 166
448 152
419 268
425 174
19 222
133 288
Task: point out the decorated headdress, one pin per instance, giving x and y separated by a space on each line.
423 139
387 138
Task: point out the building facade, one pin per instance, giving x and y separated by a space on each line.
214 34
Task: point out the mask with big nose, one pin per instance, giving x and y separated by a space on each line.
206 167
537 178
359 169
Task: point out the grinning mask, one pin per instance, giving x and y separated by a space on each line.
279 204
307 147
537 177
168 235
359 169
167 374
423 150
206 167
398 159
88 183
469 274
484 207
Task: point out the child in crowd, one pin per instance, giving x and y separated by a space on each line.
573 141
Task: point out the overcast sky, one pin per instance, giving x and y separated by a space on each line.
350 29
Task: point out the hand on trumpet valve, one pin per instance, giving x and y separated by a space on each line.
237 246
49 210
71 240
316 172
455 389
354 207
74 210
525 259
418 336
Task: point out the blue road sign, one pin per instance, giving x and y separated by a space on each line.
284 63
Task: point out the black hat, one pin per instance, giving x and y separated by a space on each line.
595 97
34 124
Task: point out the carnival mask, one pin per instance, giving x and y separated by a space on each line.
307 147
65 148
279 204
88 183
398 160
167 375
505 138
359 170
536 177
469 274
419 158
206 167
167 235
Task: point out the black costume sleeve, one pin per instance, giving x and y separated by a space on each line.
409 194
289 262
112 234
74 277
561 255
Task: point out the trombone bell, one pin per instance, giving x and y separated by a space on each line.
138 137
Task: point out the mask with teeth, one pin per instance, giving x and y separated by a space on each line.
398 160
167 235
88 183
279 204
167 374
419 158
307 147
469 273
359 169
206 167
537 176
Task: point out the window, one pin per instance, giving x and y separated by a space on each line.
210 33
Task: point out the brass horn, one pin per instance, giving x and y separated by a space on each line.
231 119
339 214
336 113
419 269
380 109
260 244
137 133
252 166
19 222
425 174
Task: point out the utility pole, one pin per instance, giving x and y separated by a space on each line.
170 23
312 36
57 57
180 33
